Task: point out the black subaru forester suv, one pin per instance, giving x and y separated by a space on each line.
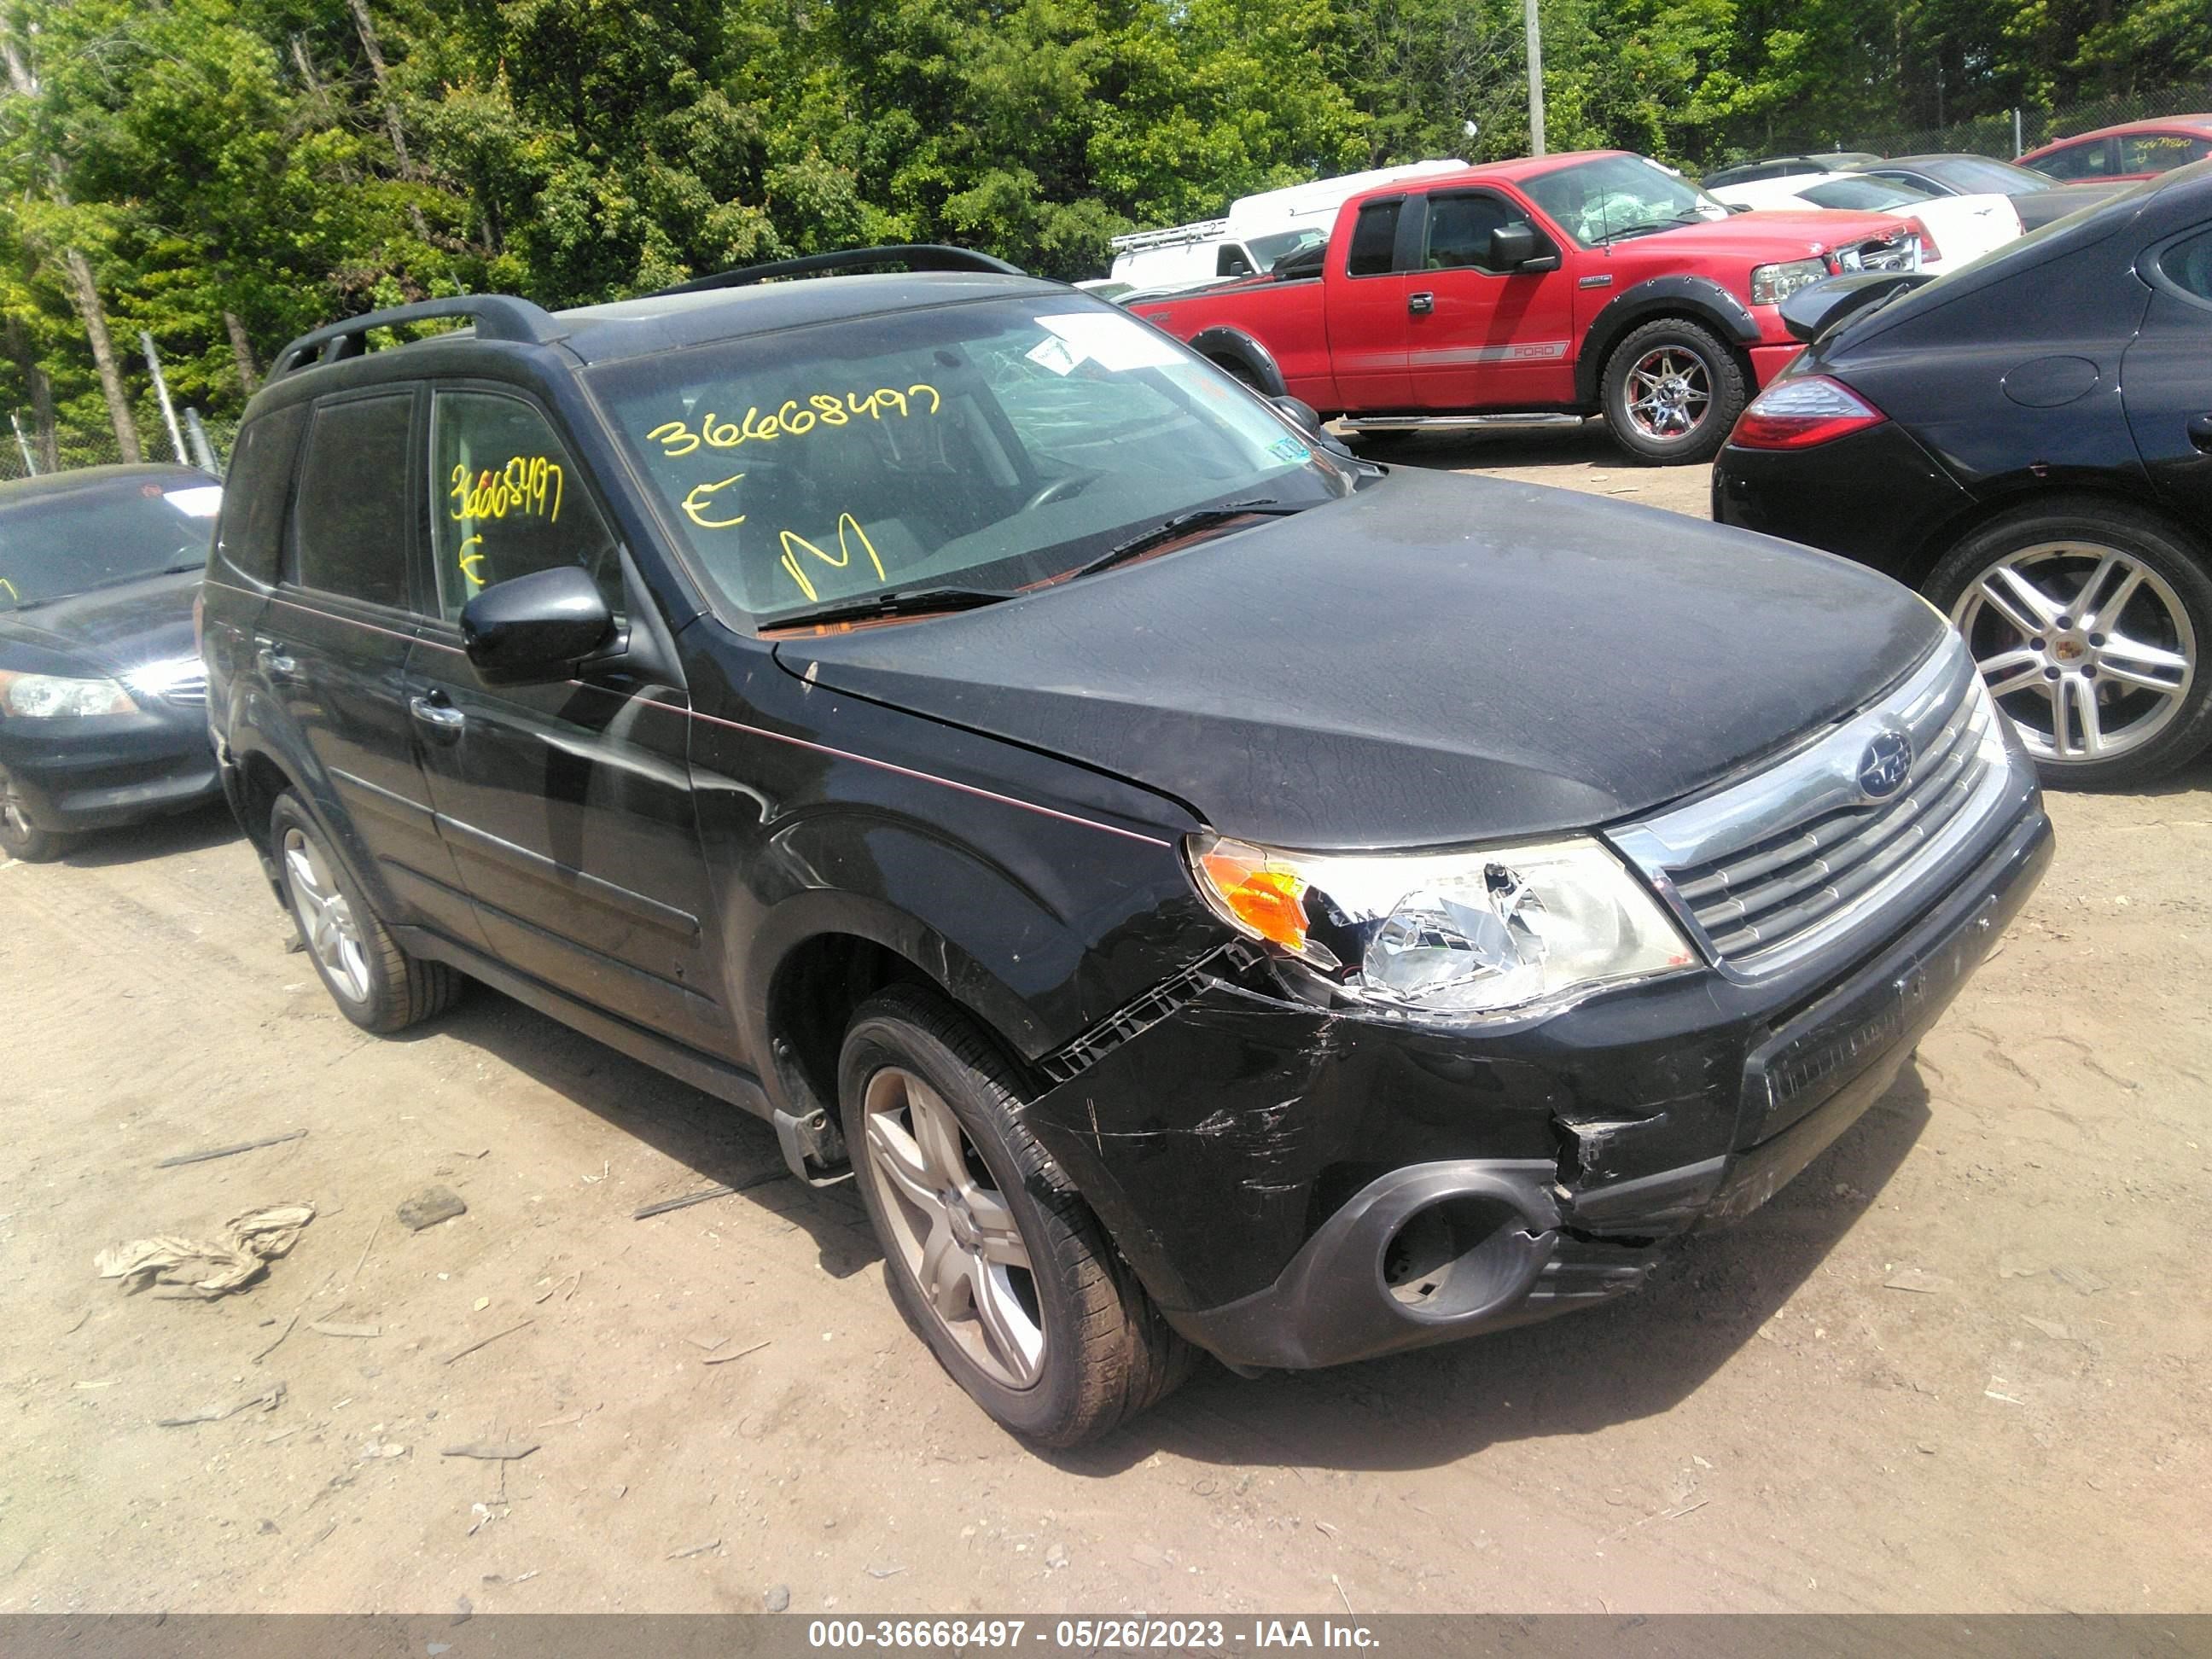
1213 893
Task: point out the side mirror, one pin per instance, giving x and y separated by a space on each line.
1512 246
537 627
1299 411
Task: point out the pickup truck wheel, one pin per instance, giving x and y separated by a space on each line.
376 985
2088 621
1001 1269
1672 391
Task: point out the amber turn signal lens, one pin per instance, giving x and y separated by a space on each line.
1267 899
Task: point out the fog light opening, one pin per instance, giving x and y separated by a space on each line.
1456 1256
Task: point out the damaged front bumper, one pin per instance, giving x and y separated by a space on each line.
1299 1187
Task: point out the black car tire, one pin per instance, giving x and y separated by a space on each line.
19 837
397 990
2152 543
1716 368
1108 1353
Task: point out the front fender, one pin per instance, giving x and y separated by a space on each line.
1677 295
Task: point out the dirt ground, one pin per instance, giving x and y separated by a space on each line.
1959 1363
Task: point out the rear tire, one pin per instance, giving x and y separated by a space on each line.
1673 392
2072 608
1031 1307
19 837
376 985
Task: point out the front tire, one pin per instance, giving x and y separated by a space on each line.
376 985
19 837
1001 1268
1672 393
2087 619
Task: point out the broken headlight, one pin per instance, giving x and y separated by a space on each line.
1453 934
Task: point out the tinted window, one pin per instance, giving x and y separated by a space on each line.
1372 239
508 502
1862 195
349 533
2188 264
1460 229
250 537
124 529
2091 160
2160 152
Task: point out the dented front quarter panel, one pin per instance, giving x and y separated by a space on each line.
1213 1143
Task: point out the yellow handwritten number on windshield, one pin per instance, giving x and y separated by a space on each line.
793 419
847 524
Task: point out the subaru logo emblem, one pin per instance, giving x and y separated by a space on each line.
1885 764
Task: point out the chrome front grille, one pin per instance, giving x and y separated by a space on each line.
1768 870
190 692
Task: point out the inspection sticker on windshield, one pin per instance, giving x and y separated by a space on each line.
1111 341
1055 354
199 501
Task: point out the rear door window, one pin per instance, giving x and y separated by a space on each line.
1372 239
508 501
350 531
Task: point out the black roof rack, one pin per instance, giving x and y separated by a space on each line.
914 256
497 317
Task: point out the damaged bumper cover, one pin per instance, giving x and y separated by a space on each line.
1301 1187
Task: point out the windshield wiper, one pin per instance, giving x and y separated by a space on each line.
898 602
1181 524
1688 216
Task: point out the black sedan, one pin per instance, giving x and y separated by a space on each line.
2027 441
2036 196
103 702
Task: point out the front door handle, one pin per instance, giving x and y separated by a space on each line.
2200 431
1420 305
441 721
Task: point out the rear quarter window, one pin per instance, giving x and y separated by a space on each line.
2187 265
250 535
1373 239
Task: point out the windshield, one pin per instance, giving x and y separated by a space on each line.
1972 177
1864 195
991 445
1614 196
1267 251
52 546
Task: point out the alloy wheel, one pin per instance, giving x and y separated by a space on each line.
2087 648
954 1229
326 918
1669 389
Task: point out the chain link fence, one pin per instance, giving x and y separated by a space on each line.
2008 133
24 455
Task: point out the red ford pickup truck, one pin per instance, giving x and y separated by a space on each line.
1539 289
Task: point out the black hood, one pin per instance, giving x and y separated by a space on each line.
1436 660
110 630
2038 208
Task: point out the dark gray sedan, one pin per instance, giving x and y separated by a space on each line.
2036 196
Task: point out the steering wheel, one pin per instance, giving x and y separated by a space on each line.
1061 488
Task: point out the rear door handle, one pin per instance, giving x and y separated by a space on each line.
2200 431
1420 305
275 664
440 719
